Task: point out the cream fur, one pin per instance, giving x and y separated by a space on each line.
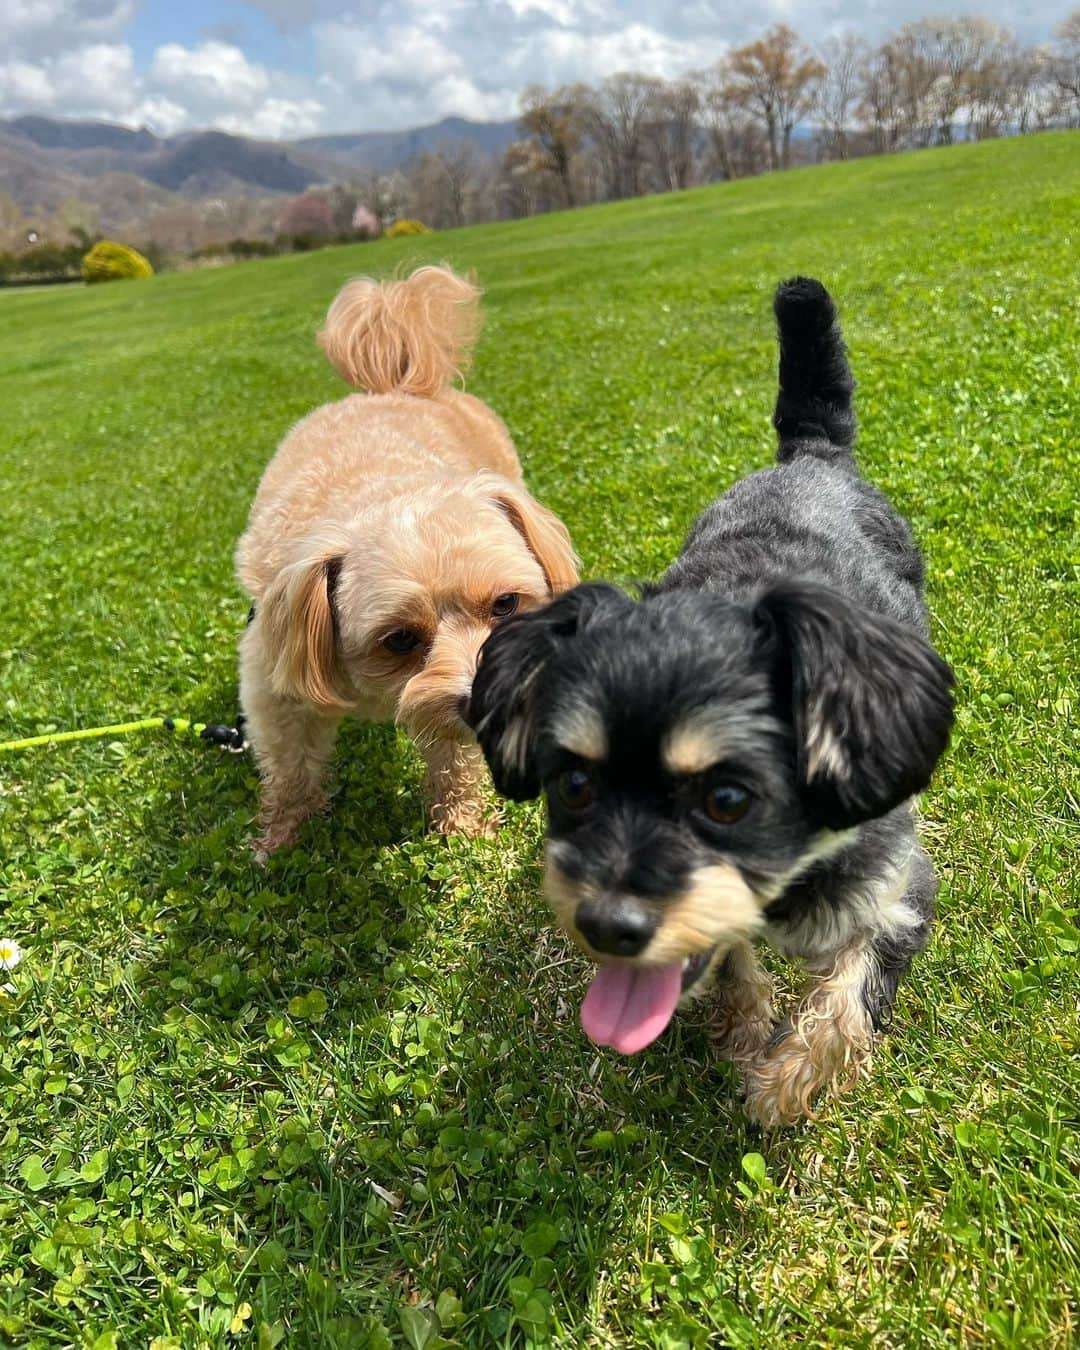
825 1046
716 907
411 499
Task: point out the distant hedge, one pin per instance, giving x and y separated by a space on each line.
108 261
240 248
44 262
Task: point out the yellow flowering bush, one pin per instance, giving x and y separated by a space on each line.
107 261
401 228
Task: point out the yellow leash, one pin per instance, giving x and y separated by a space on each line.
229 737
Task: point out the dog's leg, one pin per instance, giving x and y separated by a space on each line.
293 745
741 1020
454 790
827 1043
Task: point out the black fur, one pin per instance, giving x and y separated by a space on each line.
814 413
793 622
333 573
881 691
509 688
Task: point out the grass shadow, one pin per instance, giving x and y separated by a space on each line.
419 1109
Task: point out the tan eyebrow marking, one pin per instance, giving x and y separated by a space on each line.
581 731
693 745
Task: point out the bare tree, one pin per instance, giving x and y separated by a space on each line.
308 215
1034 93
990 96
13 225
443 186
881 99
918 80
950 51
384 195
673 132
1005 89
735 139
556 119
526 180
901 89
844 60
177 229
425 196
617 116
461 169
342 199
777 77
1066 64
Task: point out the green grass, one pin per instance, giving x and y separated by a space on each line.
345 1101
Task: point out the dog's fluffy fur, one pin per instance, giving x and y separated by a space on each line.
734 756
390 532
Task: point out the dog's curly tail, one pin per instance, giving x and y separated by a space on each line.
407 337
814 413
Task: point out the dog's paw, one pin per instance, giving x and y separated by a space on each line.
260 850
801 1063
781 1082
272 840
741 1018
470 824
739 1037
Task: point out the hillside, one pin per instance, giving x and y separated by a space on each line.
43 160
344 1100
383 150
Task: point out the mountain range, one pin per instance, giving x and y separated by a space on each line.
125 172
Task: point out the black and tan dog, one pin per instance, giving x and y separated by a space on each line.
733 756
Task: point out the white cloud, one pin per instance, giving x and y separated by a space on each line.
93 81
62 56
101 76
585 56
564 12
160 114
24 87
390 64
44 28
481 55
216 85
215 74
210 84
401 53
278 119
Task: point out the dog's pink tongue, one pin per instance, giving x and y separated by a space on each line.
627 1007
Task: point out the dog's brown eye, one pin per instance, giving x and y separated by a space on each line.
726 803
402 641
505 605
575 789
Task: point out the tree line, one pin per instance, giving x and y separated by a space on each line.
774 102
769 104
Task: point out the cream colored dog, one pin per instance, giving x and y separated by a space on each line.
390 533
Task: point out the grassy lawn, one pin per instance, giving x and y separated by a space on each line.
345 1101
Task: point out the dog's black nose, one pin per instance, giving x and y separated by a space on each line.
620 927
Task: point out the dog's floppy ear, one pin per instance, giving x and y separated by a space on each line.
509 687
547 537
301 633
870 701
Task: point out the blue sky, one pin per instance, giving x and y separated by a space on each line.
251 29
289 68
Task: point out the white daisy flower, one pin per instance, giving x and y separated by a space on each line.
10 953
